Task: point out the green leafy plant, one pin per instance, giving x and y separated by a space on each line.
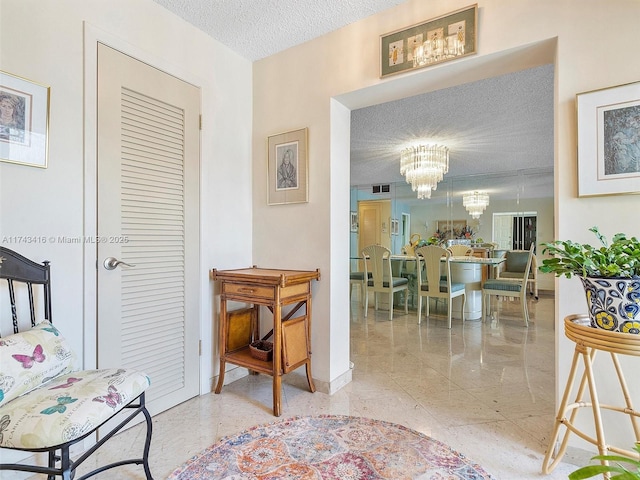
433 240
620 259
622 473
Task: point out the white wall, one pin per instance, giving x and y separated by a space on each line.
294 89
42 40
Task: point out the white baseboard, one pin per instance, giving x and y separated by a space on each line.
336 384
329 388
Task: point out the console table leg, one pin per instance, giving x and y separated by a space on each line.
312 387
220 376
277 395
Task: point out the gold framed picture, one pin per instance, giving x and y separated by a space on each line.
24 121
288 172
438 40
448 229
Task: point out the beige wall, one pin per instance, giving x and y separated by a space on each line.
42 40
301 87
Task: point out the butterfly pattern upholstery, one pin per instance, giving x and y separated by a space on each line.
28 360
31 358
45 400
67 407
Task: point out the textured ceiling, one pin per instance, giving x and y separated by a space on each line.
258 28
499 130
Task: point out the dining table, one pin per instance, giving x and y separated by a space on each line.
464 269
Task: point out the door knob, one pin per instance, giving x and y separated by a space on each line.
110 263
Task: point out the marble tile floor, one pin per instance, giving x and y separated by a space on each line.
484 388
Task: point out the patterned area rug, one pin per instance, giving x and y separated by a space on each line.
329 447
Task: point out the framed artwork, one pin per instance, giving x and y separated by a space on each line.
447 229
288 176
438 40
395 226
609 140
354 221
24 121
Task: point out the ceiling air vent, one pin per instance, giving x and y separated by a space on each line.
381 188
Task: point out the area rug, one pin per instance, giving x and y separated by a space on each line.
329 447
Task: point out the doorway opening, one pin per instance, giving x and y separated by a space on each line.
515 230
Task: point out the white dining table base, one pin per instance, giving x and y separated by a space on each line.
471 275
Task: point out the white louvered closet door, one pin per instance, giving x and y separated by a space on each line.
148 217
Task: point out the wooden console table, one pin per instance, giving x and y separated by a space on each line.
291 336
588 341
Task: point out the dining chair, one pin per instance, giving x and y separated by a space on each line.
356 279
514 265
380 279
510 287
408 271
460 250
437 281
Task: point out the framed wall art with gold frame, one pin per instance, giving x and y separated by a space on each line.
288 168
24 121
438 40
449 229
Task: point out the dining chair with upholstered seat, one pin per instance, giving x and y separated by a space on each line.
510 287
514 265
380 279
437 280
460 250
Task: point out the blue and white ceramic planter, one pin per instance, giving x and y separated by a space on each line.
614 303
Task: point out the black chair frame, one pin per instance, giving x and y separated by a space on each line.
15 268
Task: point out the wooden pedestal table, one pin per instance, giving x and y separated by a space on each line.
588 341
273 289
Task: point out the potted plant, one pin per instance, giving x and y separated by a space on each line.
610 274
623 473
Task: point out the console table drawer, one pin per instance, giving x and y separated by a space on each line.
253 291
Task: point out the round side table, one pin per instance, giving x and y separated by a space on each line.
588 341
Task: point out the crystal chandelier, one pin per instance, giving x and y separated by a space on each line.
475 203
424 166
